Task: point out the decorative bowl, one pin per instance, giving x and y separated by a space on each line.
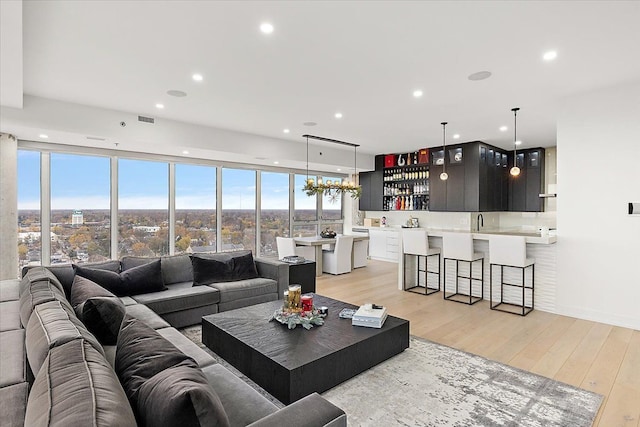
328 234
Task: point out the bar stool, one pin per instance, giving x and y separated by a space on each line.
416 243
459 247
511 251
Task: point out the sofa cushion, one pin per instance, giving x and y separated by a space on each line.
141 353
9 290
10 315
244 267
146 315
178 297
188 347
76 386
65 273
13 369
137 280
175 268
51 325
100 310
39 292
37 274
13 404
212 268
180 396
239 289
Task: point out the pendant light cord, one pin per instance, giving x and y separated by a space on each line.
444 144
515 135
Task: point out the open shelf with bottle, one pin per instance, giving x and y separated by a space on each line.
406 188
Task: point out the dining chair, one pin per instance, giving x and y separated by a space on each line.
338 261
287 247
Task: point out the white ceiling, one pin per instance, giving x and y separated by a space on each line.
362 58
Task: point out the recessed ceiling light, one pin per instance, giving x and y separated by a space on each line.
518 142
309 123
160 106
550 55
185 152
43 136
176 93
286 131
338 169
503 128
480 75
197 77
338 115
276 162
456 136
266 28
417 93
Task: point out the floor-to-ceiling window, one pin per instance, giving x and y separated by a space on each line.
80 208
274 210
29 227
195 227
332 207
238 209
305 212
143 208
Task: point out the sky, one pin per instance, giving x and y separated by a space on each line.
83 182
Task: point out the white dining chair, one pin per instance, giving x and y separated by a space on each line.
360 253
458 247
416 243
511 252
338 260
287 247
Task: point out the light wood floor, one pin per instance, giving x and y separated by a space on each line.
594 356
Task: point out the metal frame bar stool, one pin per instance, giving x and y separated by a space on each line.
511 251
416 243
458 247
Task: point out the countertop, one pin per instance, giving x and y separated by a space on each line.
484 234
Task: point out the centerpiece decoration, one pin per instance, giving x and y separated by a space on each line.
298 309
328 233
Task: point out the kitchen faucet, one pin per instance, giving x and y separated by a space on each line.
479 221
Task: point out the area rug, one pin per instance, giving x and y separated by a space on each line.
434 385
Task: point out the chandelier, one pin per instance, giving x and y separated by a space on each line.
330 188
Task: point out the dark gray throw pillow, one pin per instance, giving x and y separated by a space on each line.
212 269
180 396
137 280
100 310
141 353
244 267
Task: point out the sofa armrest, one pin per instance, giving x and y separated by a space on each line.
276 270
312 410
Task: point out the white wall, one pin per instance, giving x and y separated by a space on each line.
598 275
8 207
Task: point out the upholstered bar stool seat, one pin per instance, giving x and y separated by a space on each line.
458 247
511 252
416 243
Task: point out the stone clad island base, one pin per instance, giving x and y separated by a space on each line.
291 364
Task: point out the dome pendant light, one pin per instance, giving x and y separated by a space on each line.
444 176
515 170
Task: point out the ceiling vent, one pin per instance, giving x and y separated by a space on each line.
146 119
96 138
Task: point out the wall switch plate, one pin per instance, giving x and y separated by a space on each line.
634 208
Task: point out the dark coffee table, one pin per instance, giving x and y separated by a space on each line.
291 364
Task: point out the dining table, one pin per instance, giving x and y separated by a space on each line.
318 241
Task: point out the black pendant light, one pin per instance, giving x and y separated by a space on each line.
515 170
444 176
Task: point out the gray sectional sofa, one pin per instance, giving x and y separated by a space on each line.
57 369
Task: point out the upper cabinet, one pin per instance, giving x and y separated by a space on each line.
372 186
525 189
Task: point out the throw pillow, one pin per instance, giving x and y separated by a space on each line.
244 267
77 387
141 353
100 310
212 269
129 262
180 396
137 280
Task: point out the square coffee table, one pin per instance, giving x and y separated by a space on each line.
292 363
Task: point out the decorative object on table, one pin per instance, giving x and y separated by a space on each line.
370 316
346 313
328 233
515 170
329 188
294 318
294 259
293 298
383 221
307 302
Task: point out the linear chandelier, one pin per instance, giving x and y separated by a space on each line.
332 188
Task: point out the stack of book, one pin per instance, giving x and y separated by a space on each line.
369 316
294 259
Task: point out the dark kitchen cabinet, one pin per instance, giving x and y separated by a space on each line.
372 187
525 189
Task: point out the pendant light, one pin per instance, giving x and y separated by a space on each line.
444 176
515 170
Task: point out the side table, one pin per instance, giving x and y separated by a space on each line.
303 274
